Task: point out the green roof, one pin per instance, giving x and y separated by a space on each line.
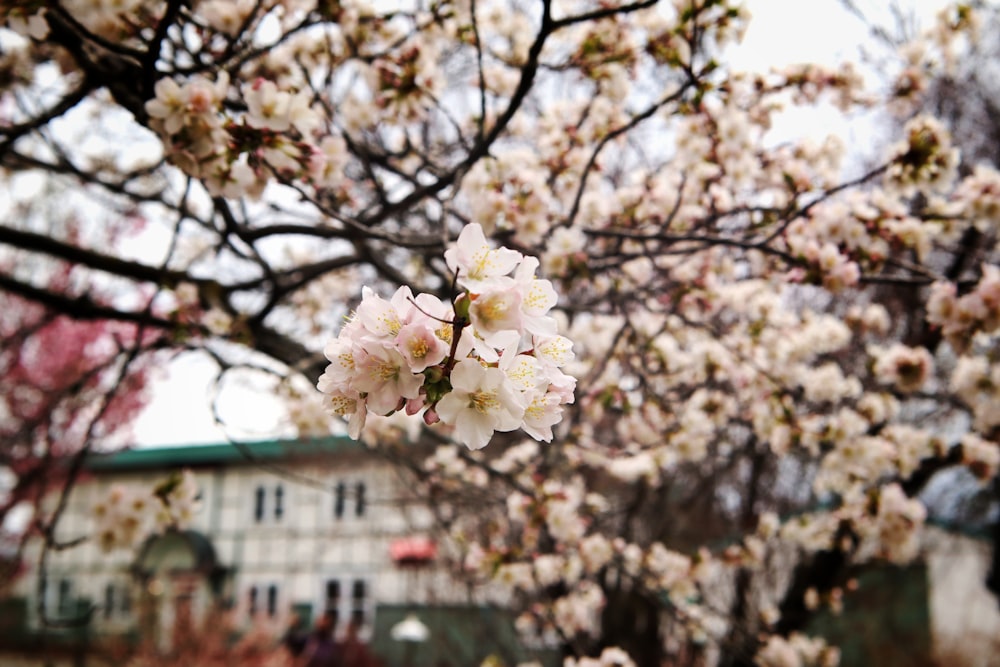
229 453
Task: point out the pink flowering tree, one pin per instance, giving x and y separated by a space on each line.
73 377
558 260
70 386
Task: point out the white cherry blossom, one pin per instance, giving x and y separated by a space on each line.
477 265
482 400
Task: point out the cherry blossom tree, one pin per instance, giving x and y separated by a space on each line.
558 241
69 386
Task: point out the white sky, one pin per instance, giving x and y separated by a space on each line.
178 412
782 32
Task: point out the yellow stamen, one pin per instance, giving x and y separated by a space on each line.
483 401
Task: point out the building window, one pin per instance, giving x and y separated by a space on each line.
358 603
45 595
272 600
359 508
345 493
340 497
348 600
252 601
258 506
57 600
269 503
117 600
109 601
263 598
279 506
332 602
125 600
64 597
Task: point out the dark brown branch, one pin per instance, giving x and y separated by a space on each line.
603 13
296 278
80 308
114 66
47 245
149 75
325 232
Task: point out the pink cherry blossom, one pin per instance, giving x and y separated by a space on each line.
420 346
383 374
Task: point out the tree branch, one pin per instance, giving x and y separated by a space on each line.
47 245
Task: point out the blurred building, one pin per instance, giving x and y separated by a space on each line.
291 530
285 531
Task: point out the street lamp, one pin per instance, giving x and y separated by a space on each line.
411 632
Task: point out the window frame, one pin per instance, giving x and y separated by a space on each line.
117 601
340 500
269 502
253 600
350 498
360 500
263 599
279 502
348 604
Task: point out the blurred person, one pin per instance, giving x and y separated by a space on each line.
353 652
296 636
320 648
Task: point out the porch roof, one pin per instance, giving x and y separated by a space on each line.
220 454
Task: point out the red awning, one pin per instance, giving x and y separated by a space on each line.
412 550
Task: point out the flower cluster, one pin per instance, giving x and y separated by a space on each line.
579 612
925 161
25 20
107 19
937 51
979 195
226 16
961 318
905 367
408 82
488 362
128 515
898 522
981 456
797 650
236 157
610 657
188 116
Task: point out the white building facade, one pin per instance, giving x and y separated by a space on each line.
283 528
